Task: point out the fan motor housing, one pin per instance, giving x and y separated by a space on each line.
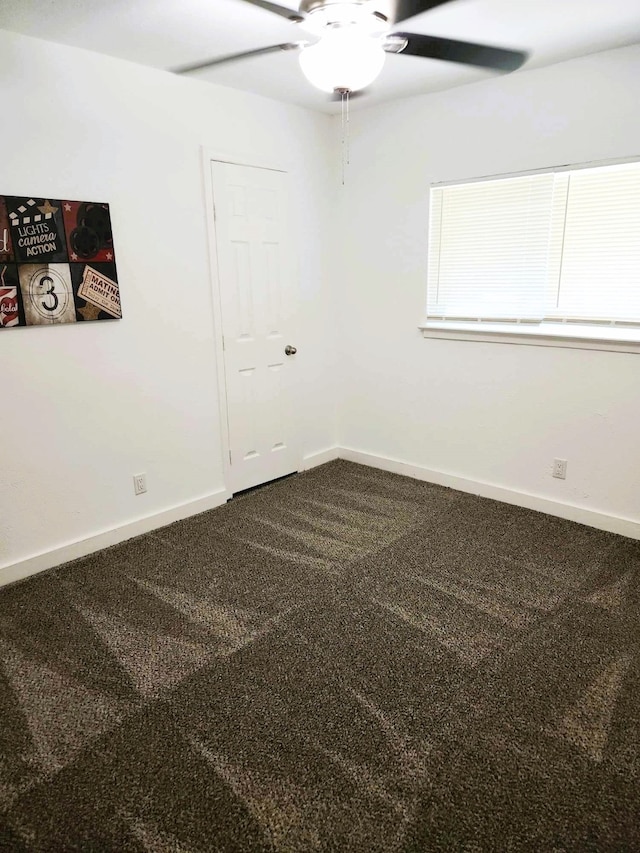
340 7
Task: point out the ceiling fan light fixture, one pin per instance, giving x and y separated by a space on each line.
344 58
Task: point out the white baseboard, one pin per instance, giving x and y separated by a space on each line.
319 458
592 518
73 550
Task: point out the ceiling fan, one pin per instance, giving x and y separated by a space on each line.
346 42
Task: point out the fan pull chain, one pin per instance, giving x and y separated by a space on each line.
344 108
348 155
342 94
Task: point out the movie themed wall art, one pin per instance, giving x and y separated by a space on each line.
57 263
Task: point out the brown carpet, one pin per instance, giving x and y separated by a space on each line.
346 660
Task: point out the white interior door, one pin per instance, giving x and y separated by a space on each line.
257 297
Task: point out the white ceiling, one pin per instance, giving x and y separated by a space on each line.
167 34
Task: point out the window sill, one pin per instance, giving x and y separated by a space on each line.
544 335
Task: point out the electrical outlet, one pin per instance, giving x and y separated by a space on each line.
139 483
560 469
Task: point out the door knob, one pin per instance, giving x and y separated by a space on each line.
289 350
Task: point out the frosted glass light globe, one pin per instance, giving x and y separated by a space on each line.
343 59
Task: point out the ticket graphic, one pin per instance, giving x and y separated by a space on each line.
100 291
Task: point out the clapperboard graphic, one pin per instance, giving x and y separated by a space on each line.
57 262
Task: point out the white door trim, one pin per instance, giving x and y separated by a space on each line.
207 155
225 445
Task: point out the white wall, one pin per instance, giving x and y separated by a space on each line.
489 413
84 407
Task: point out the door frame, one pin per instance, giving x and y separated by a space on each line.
207 156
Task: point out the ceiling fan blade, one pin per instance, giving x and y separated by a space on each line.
404 9
231 57
283 11
466 52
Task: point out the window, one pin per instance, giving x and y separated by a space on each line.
546 254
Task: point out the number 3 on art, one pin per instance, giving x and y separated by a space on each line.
51 292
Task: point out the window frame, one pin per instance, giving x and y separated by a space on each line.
575 335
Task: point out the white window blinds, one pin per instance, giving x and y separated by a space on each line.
550 247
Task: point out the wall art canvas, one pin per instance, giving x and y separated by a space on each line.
57 262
